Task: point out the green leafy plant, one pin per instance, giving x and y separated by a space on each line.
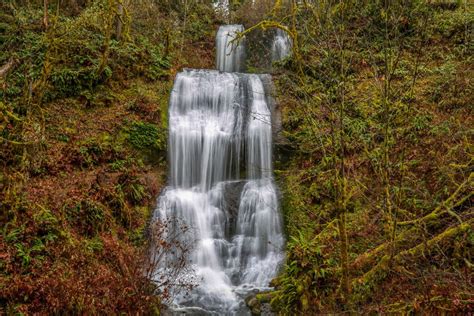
146 137
89 216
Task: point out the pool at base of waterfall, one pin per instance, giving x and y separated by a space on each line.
199 304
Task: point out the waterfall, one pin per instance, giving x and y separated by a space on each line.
222 7
221 184
230 57
281 46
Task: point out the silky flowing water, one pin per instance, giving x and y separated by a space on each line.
221 182
230 54
281 45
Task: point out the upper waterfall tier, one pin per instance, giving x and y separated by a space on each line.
281 45
230 56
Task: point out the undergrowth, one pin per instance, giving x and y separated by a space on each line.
392 162
83 120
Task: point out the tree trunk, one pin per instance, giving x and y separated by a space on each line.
45 16
119 23
344 257
6 68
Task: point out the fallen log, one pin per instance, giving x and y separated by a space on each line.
447 205
383 266
412 233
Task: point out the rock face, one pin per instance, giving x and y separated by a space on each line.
254 305
232 192
259 303
281 145
274 109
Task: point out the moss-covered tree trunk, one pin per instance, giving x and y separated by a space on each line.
45 14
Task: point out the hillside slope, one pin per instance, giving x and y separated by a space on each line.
83 124
377 170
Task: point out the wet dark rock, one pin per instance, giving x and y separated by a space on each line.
254 305
232 192
259 303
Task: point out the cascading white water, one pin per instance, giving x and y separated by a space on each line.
222 7
230 57
281 46
220 123
221 184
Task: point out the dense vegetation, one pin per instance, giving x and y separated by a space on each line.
377 105
83 104
375 160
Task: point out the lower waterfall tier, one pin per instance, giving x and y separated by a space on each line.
236 238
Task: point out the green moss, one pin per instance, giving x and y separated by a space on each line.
94 245
148 139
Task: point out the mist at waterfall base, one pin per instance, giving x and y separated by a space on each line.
221 185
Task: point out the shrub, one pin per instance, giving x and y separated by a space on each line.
146 137
88 216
